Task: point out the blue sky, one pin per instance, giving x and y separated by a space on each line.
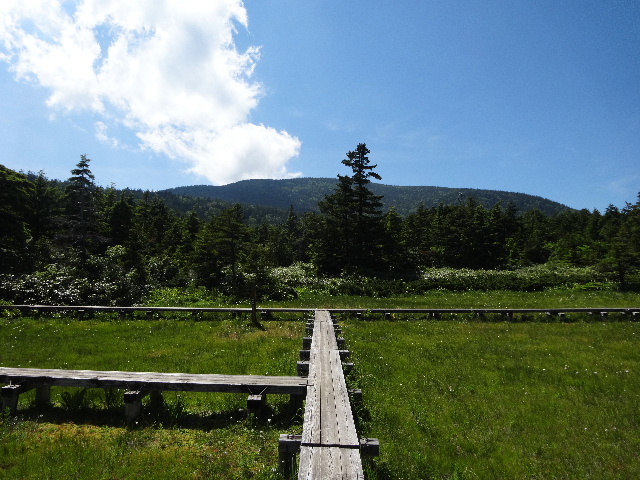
539 97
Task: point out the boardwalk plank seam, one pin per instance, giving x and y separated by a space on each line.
330 445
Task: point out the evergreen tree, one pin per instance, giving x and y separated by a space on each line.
533 238
16 193
221 246
623 257
352 230
206 265
120 220
230 241
46 220
47 208
416 238
394 247
80 202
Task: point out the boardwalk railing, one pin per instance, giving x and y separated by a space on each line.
88 310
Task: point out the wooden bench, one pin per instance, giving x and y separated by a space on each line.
139 384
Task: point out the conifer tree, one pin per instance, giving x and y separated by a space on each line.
351 236
80 207
16 193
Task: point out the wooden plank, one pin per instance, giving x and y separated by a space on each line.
327 462
311 424
10 395
252 384
329 445
355 311
346 429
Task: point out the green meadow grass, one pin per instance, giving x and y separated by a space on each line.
464 399
555 298
449 398
196 435
165 344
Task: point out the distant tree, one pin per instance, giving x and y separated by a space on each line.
220 247
47 208
120 220
295 240
80 208
416 238
189 228
352 234
46 221
533 238
153 219
16 208
623 257
395 251
205 263
231 237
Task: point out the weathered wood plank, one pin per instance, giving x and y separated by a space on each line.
251 384
346 429
327 462
329 445
357 311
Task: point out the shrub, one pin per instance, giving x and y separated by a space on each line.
57 284
525 279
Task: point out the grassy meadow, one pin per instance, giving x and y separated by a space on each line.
195 435
463 399
448 398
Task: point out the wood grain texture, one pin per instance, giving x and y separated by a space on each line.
330 445
251 384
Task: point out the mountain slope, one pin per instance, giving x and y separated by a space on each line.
305 193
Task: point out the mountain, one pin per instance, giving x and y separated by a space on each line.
305 193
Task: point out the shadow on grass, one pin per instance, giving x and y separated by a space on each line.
164 414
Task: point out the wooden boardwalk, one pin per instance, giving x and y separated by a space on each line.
185 382
330 448
139 384
329 445
89 310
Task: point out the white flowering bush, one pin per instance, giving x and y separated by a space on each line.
303 277
533 278
540 277
102 281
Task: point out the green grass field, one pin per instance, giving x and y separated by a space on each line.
449 398
195 436
500 400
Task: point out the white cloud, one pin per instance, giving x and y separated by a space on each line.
102 135
169 71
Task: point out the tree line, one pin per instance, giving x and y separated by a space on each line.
75 242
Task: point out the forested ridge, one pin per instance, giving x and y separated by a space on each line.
306 193
74 242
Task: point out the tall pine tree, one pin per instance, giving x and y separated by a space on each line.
350 239
80 199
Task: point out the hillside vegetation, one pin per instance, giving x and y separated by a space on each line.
74 242
305 193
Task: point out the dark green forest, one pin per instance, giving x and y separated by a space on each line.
307 193
74 242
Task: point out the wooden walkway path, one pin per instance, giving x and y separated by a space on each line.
184 382
329 448
89 310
